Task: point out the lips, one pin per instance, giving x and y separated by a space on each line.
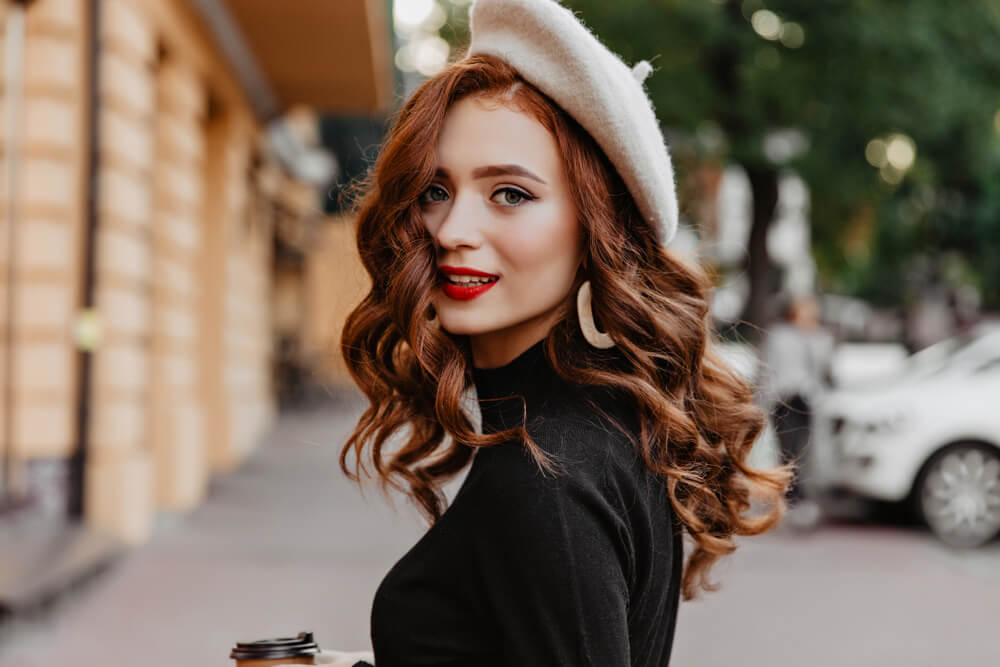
463 283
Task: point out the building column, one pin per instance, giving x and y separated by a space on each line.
119 474
45 264
176 432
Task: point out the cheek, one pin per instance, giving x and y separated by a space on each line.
546 243
430 220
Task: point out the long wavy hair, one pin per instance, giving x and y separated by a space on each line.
697 417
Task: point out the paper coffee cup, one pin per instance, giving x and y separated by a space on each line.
300 650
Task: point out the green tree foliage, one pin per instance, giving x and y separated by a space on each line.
851 71
846 72
843 72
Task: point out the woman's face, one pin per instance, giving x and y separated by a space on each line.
508 237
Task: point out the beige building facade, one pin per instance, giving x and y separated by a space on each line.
141 203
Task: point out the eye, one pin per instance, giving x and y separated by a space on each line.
512 197
433 195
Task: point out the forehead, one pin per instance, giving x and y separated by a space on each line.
478 132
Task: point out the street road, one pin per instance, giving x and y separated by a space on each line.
842 595
287 544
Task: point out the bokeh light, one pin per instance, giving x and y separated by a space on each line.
896 150
875 153
901 151
88 330
430 55
891 175
792 35
409 15
404 58
893 155
766 24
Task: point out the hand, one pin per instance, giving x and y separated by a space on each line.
340 658
343 658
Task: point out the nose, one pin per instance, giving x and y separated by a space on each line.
460 226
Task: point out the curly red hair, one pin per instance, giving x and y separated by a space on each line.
698 420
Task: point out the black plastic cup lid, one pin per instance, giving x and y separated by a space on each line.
282 647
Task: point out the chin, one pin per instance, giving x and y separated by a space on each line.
460 319
463 326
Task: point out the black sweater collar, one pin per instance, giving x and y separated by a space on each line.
529 376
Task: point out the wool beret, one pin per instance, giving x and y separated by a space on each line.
551 49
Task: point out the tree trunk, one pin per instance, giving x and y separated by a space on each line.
758 266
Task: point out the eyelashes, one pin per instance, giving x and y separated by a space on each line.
512 197
521 195
426 198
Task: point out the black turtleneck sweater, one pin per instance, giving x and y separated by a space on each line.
528 568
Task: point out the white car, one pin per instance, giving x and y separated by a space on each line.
929 435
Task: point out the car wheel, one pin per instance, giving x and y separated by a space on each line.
959 494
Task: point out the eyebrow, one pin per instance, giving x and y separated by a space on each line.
498 170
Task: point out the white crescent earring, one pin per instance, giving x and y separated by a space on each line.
585 313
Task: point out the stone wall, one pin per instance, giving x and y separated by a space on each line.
181 383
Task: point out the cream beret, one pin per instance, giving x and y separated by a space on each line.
553 51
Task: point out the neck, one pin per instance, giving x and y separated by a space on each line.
498 348
506 392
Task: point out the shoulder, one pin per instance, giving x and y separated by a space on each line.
513 482
590 443
546 514
589 427
780 334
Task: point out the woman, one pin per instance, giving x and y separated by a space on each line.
522 194
797 354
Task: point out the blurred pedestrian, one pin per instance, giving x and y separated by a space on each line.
526 317
797 353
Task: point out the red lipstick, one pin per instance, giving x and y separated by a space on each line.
465 292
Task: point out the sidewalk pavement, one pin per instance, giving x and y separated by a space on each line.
284 544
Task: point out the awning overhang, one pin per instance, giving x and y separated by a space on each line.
332 55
